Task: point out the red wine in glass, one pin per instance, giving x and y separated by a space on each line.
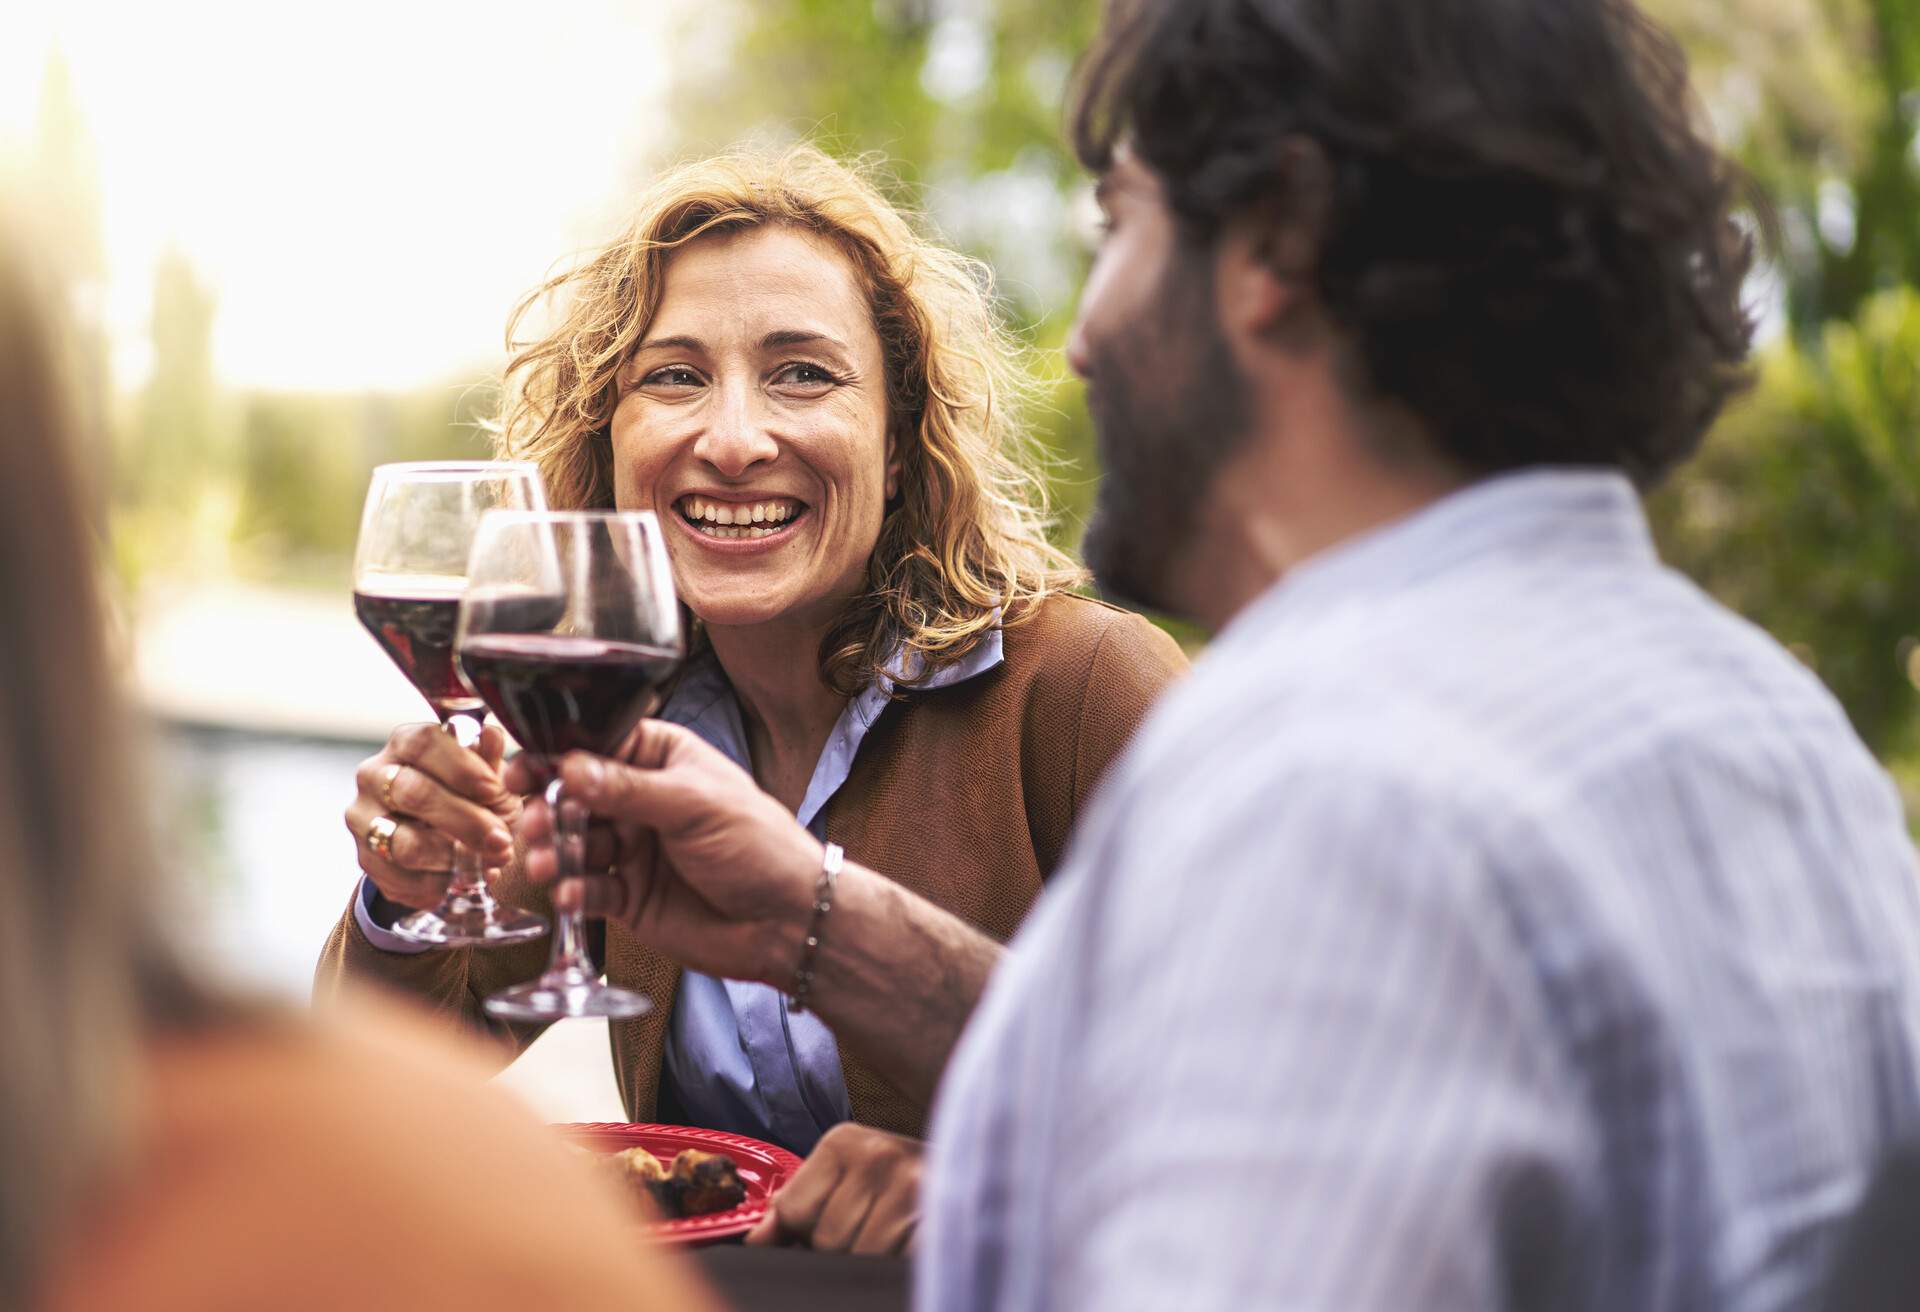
409 575
568 629
414 623
558 693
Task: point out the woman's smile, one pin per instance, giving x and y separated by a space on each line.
735 526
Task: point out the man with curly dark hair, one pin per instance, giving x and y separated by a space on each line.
1491 920
1495 225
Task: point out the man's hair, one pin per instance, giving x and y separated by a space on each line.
1521 231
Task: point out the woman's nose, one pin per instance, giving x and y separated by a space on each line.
737 439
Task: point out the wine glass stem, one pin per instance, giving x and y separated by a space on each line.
469 877
569 958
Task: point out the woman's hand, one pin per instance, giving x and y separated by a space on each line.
439 793
857 1192
687 852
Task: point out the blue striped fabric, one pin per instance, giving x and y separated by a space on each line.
1490 921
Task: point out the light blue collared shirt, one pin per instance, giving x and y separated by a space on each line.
1489 921
738 1059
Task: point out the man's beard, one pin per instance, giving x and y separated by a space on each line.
1169 408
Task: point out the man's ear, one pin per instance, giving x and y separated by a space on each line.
1269 251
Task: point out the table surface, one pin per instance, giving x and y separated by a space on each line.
798 1280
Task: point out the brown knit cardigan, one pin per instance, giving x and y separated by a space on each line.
965 795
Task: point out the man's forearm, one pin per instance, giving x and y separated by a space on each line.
896 978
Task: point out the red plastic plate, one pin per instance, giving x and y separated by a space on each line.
763 1169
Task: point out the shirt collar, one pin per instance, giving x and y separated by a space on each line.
1591 514
704 681
703 700
988 653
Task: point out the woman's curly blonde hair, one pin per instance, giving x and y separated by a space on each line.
964 545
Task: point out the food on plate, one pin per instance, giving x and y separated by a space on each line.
697 1183
638 1167
705 1182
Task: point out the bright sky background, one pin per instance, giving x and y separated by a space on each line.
367 185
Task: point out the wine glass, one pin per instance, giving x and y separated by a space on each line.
569 627
409 572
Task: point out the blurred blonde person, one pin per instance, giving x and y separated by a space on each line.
823 409
167 1147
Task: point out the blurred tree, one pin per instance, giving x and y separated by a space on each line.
304 464
1819 96
173 473
302 471
1866 223
177 412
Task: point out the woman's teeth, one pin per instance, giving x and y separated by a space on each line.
756 519
717 531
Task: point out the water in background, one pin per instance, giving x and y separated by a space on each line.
266 867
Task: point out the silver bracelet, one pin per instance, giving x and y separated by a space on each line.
822 903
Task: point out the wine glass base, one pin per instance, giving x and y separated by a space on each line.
567 996
470 922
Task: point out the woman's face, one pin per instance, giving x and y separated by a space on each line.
753 420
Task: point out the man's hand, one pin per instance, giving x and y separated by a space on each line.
687 852
690 855
859 1192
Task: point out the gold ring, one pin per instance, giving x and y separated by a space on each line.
387 776
380 834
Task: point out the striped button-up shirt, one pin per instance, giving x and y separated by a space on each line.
1491 921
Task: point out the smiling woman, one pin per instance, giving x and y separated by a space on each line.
753 417
824 410
863 323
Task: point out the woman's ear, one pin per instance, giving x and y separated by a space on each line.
893 465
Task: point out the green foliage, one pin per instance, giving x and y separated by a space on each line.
1883 189
941 90
173 448
1814 95
179 440
305 460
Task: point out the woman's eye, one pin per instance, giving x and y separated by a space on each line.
672 375
805 375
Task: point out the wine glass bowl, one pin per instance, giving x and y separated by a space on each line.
568 631
413 619
409 576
